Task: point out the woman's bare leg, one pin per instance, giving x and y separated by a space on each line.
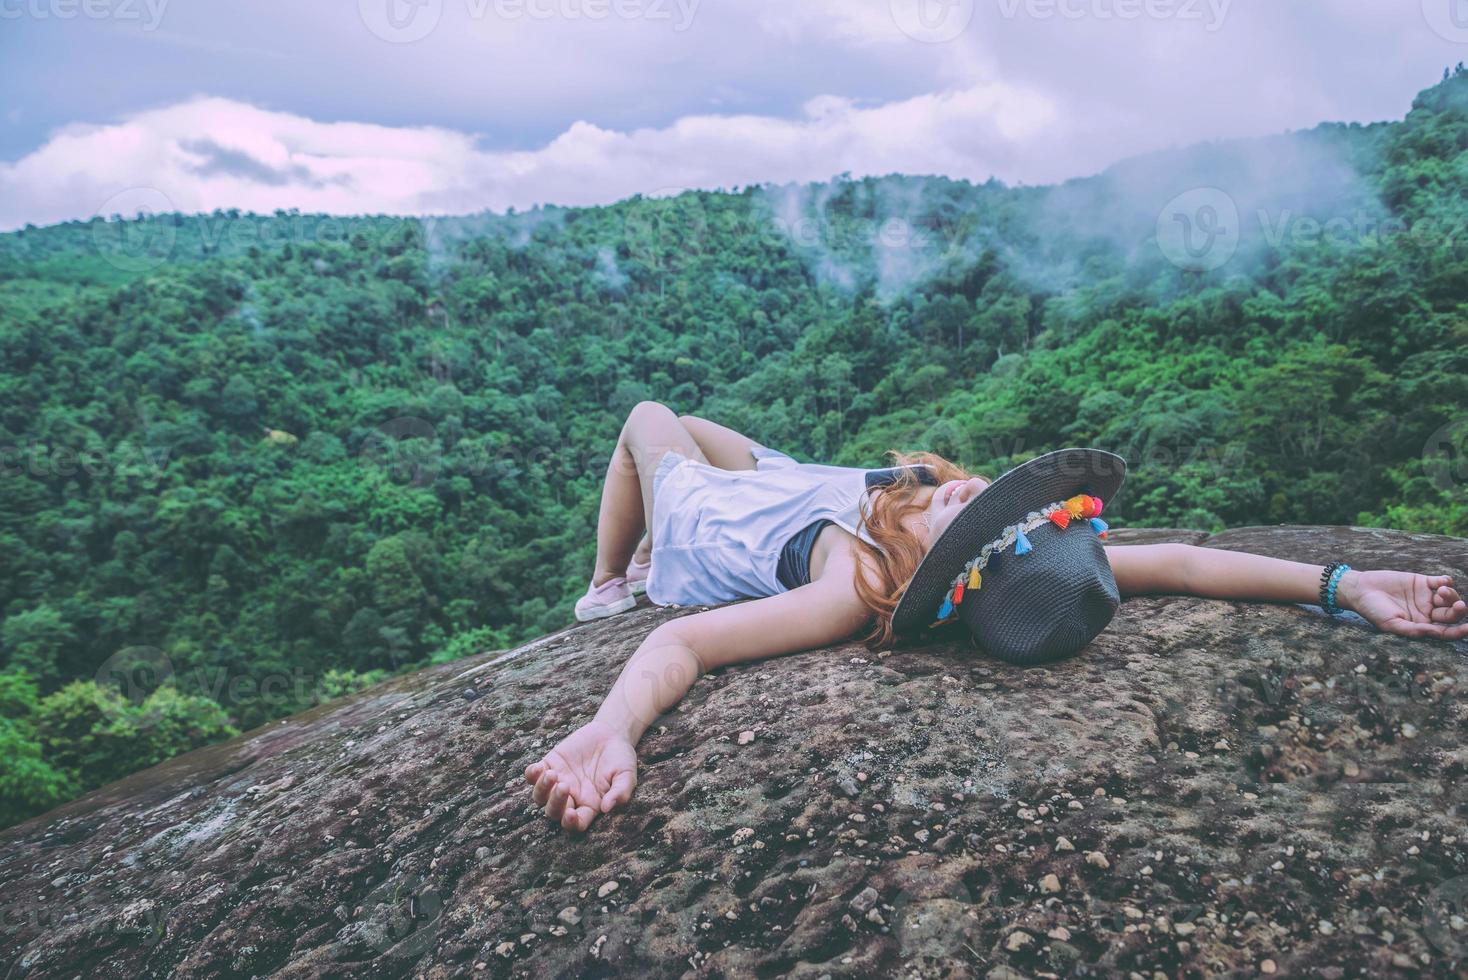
722 447
650 431
725 448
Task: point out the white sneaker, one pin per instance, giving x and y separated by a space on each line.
610 598
637 576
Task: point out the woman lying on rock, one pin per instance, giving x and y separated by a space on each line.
830 552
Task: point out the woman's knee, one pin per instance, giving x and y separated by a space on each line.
645 415
653 426
651 411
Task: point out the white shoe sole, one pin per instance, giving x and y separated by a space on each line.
602 612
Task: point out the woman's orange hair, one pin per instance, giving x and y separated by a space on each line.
897 553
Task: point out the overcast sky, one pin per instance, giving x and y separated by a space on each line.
452 106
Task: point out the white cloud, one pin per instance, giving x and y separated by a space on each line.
212 153
489 112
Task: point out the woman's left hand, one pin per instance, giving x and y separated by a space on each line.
1406 603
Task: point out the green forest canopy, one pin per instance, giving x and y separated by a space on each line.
251 462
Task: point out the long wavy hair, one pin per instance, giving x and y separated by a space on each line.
897 552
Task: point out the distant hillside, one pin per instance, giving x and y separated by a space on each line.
261 460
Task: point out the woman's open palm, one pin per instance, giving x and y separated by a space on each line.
588 773
1411 605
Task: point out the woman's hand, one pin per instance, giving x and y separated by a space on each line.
1405 603
591 771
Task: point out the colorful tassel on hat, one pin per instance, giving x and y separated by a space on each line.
1099 525
945 610
1021 543
1076 506
1095 506
974 578
1061 518
958 593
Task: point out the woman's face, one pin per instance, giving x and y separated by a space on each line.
943 504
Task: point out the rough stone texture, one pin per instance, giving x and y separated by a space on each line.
1213 785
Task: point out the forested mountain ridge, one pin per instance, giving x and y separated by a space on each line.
256 461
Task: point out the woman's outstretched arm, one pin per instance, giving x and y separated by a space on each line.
1404 603
594 769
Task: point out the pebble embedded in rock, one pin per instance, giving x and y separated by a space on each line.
865 899
1064 844
1050 884
570 915
1097 860
746 736
608 888
1018 940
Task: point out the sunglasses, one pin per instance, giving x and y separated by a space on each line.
889 475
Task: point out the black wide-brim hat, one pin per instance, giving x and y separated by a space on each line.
1045 590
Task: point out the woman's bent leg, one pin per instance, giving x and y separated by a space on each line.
650 431
724 447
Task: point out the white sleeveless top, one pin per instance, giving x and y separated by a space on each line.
717 534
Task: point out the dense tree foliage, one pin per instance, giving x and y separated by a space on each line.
252 462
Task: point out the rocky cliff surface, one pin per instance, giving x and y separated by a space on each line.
1210 787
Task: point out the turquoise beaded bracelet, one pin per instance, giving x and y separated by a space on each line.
1337 571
